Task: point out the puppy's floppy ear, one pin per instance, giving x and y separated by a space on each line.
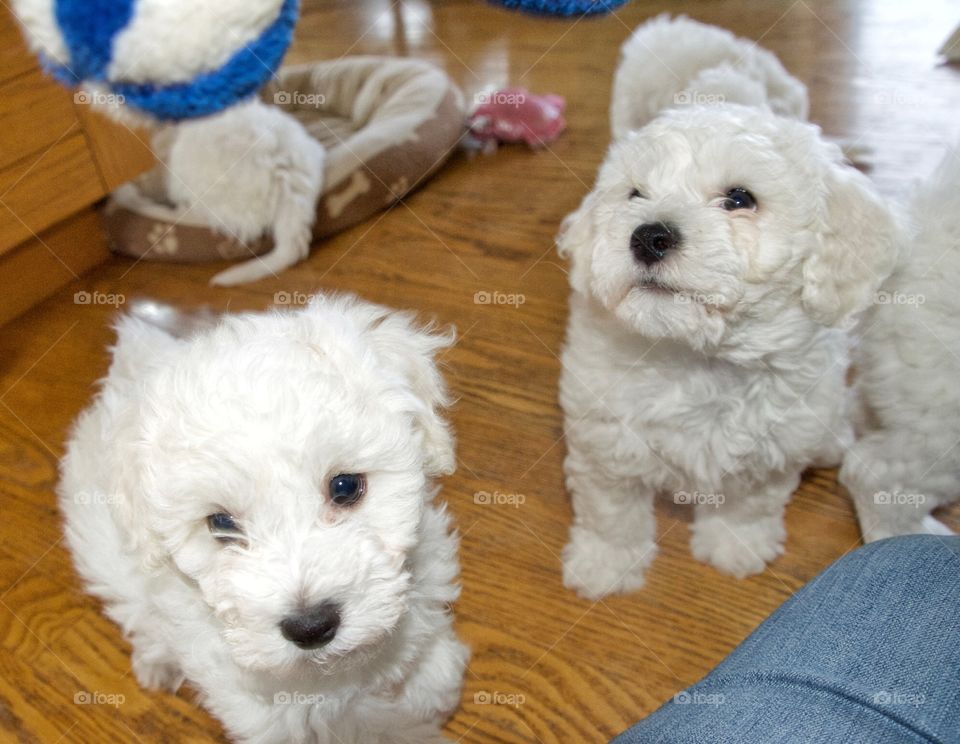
412 351
141 347
856 249
575 242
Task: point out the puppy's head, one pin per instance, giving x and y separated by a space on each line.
281 464
712 221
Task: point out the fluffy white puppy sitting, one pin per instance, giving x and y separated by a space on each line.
715 265
254 506
906 462
248 171
670 62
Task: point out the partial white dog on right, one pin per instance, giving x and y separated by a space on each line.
907 460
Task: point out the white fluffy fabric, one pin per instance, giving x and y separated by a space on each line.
670 62
249 171
253 417
39 23
166 41
718 374
906 461
207 34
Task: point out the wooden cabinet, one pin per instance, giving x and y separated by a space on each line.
58 158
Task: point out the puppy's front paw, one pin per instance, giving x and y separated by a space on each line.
156 674
738 549
594 567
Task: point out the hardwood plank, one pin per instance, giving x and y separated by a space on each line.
45 188
38 267
121 153
35 113
15 59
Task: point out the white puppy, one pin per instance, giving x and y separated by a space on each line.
906 462
254 506
670 62
248 171
715 265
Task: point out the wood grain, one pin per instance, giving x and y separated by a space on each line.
38 267
35 113
14 58
121 153
566 670
46 187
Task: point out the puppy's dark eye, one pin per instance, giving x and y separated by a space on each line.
636 194
224 527
739 198
347 489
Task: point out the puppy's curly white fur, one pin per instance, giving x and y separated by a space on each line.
905 462
669 62
254 506
716 267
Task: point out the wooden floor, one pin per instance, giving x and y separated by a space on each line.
566 670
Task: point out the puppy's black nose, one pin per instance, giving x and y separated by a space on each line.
312 628
651 242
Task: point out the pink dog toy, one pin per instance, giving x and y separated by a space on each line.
517 115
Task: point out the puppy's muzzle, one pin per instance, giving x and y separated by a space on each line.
650 243
312 628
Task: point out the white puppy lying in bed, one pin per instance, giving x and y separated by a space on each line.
715 267
254 505
248 171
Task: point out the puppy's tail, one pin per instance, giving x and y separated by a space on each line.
299 184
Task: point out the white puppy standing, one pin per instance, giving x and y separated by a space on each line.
906 462
715 266
254 506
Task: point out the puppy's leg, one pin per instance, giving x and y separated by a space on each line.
896 480
155 664
432 692
741 529
612 538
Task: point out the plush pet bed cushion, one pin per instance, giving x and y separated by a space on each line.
387 124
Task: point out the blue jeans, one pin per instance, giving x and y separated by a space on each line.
866 653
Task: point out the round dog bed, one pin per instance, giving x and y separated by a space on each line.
387 124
